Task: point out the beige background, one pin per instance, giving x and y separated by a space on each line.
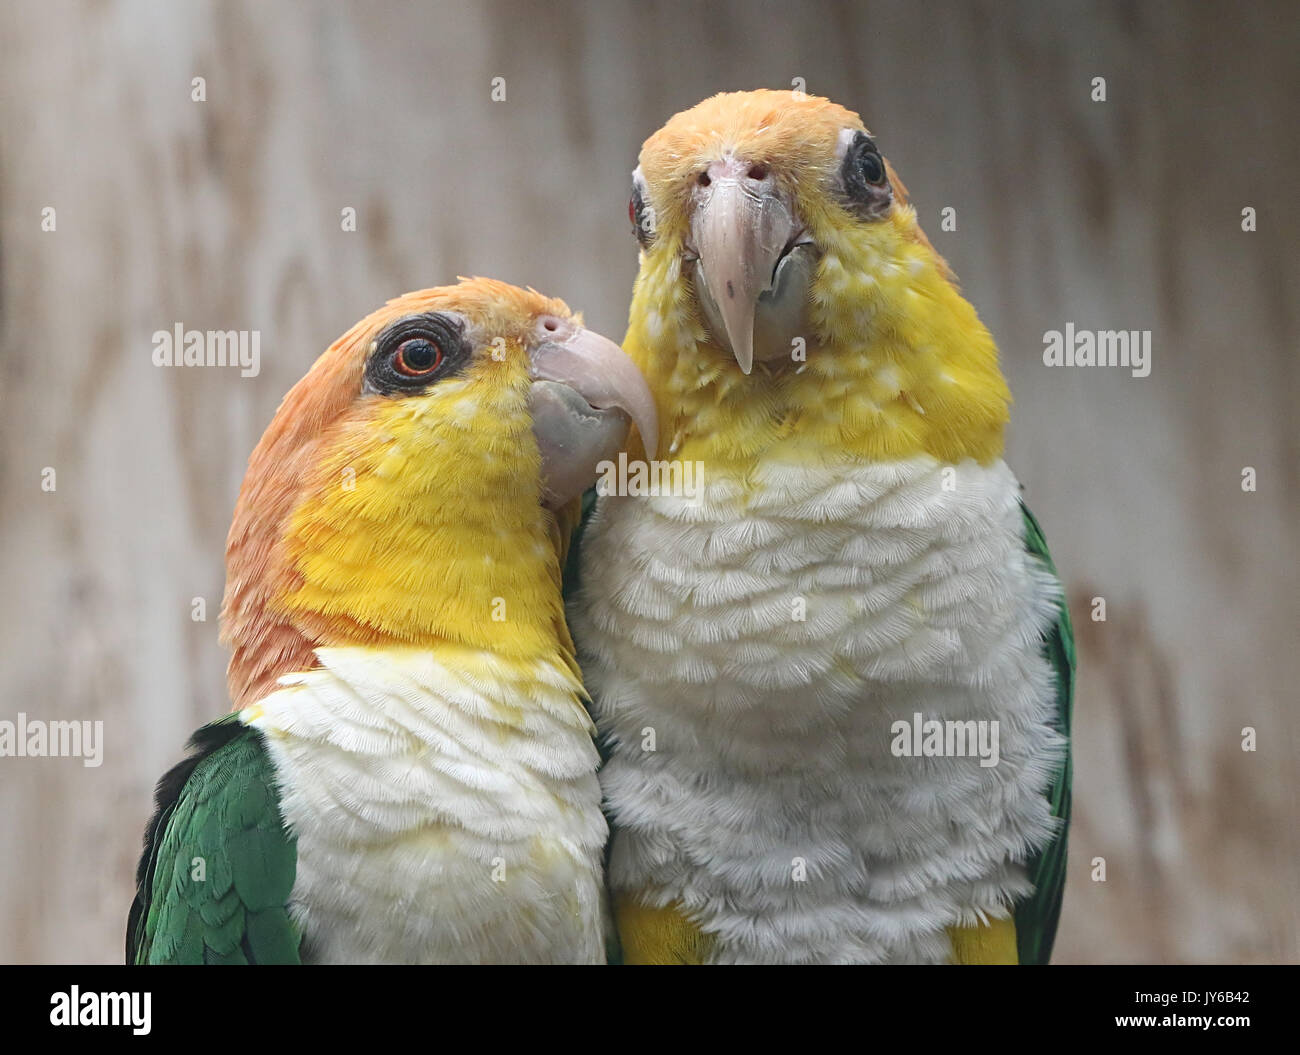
225 214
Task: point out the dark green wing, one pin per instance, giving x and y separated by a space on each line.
572 577
218 864
1037 916
573 583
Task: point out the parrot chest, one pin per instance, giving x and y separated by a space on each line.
768 657
443 812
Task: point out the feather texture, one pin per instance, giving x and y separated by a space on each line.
858 562
1037 916
446 808
218 866
766 638
400 651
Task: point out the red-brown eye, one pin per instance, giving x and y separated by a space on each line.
417 357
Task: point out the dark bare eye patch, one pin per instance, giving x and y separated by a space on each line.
641 213
863 179
415 352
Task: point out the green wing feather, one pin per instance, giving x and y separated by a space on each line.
221 806
572 582
571 572
1037 916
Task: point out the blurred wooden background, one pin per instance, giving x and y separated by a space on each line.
225 214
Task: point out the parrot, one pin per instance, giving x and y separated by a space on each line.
833 678
408 774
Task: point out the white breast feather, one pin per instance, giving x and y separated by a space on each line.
772 735
444 811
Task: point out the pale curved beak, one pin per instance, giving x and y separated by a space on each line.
752 262
586 393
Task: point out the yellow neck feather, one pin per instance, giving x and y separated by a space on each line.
898 365
421 526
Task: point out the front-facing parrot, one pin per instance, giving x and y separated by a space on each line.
409 775
834 678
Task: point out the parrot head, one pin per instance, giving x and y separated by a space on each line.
782 267
411 487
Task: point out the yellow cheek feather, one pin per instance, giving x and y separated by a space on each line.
421 523
898 363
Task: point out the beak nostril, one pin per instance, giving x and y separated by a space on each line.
550 325
704 179
757 172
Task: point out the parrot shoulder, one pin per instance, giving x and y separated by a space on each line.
218 864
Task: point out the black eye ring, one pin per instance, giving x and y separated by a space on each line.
865 180
642 217
414 352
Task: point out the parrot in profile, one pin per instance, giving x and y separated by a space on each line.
834 681
409 774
